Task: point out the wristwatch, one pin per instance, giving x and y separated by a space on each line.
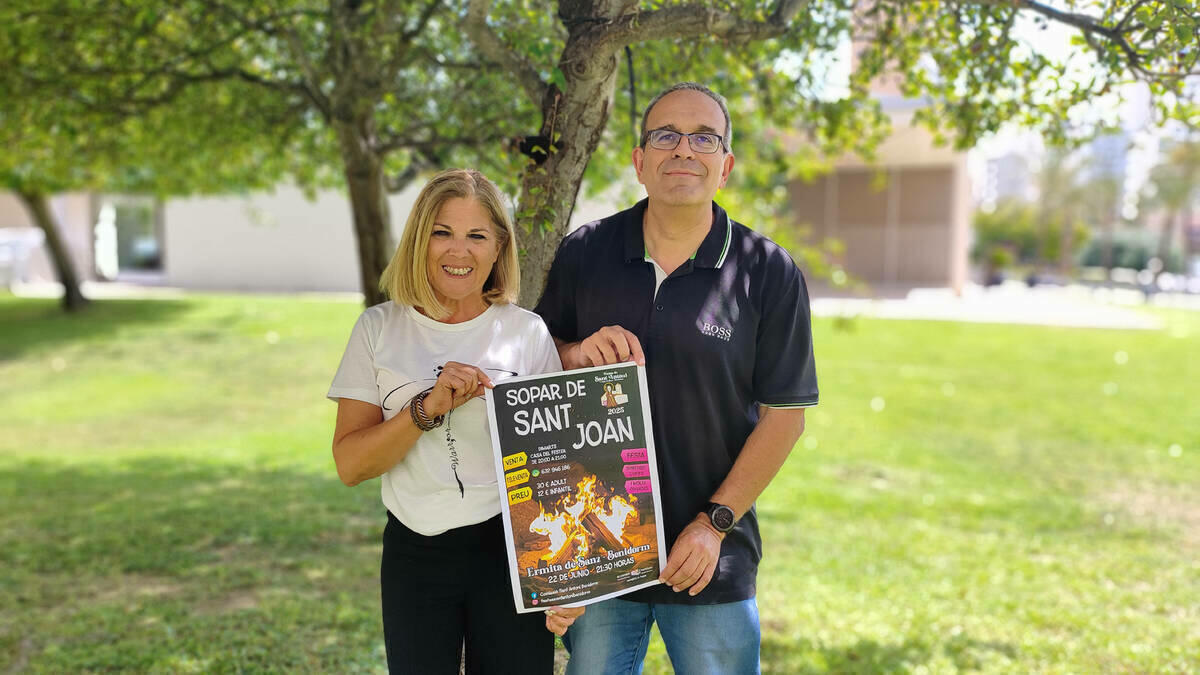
720 516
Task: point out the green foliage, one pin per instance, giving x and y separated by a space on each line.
168 502
1012 225
222 85
59 137
1016 228
224 95
1131 249
979 73
1175 180
433 100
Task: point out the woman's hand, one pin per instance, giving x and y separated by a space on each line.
559 619
457 384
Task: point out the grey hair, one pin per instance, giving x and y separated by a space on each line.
727 137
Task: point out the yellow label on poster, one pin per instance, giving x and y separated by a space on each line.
515 460
520 495
516 477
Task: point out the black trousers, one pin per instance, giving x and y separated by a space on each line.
439 591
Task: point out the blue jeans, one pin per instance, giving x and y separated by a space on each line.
611 638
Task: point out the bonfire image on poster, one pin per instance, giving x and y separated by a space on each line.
578 485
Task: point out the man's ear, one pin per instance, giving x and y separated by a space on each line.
726 168
638 157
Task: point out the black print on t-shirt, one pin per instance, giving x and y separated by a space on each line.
436 372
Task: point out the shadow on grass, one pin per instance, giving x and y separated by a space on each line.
41 323
165 565
161 514
869 656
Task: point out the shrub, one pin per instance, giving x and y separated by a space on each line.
1132 249
1014 225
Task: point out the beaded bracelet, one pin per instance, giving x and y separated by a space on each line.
417 409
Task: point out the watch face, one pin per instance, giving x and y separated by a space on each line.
722 518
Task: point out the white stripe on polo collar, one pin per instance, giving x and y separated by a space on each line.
728 238
720 259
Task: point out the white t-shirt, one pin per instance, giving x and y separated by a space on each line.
394 353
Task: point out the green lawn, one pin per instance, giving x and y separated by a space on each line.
967 497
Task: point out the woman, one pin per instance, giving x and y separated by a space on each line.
409 409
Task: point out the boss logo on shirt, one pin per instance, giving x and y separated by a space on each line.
713 330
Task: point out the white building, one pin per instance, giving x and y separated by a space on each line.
265 241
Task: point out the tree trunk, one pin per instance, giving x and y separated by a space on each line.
577 120
1189 249
1107 252
1066 239
1166 238
367 187
39 209
1043 237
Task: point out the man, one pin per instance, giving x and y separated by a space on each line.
719 316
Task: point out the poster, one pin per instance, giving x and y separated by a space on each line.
578 485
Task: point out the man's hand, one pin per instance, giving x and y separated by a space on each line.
559 619
605 347
693 557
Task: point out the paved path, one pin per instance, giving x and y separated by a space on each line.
1013 302
121 290
1076 306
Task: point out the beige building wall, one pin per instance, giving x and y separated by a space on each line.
905 217
904 220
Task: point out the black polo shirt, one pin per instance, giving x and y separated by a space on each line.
728 330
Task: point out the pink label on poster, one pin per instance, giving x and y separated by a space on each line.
637 486
637 470
633 455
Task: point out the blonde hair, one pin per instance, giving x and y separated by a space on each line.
406 279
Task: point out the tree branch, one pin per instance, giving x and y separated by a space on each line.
312 79
438 59
492 47
1083 22
418 28
405 40
690 20
422 160
1093 27
434 143
128 101
1124 22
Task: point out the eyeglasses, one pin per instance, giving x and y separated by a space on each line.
701 141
